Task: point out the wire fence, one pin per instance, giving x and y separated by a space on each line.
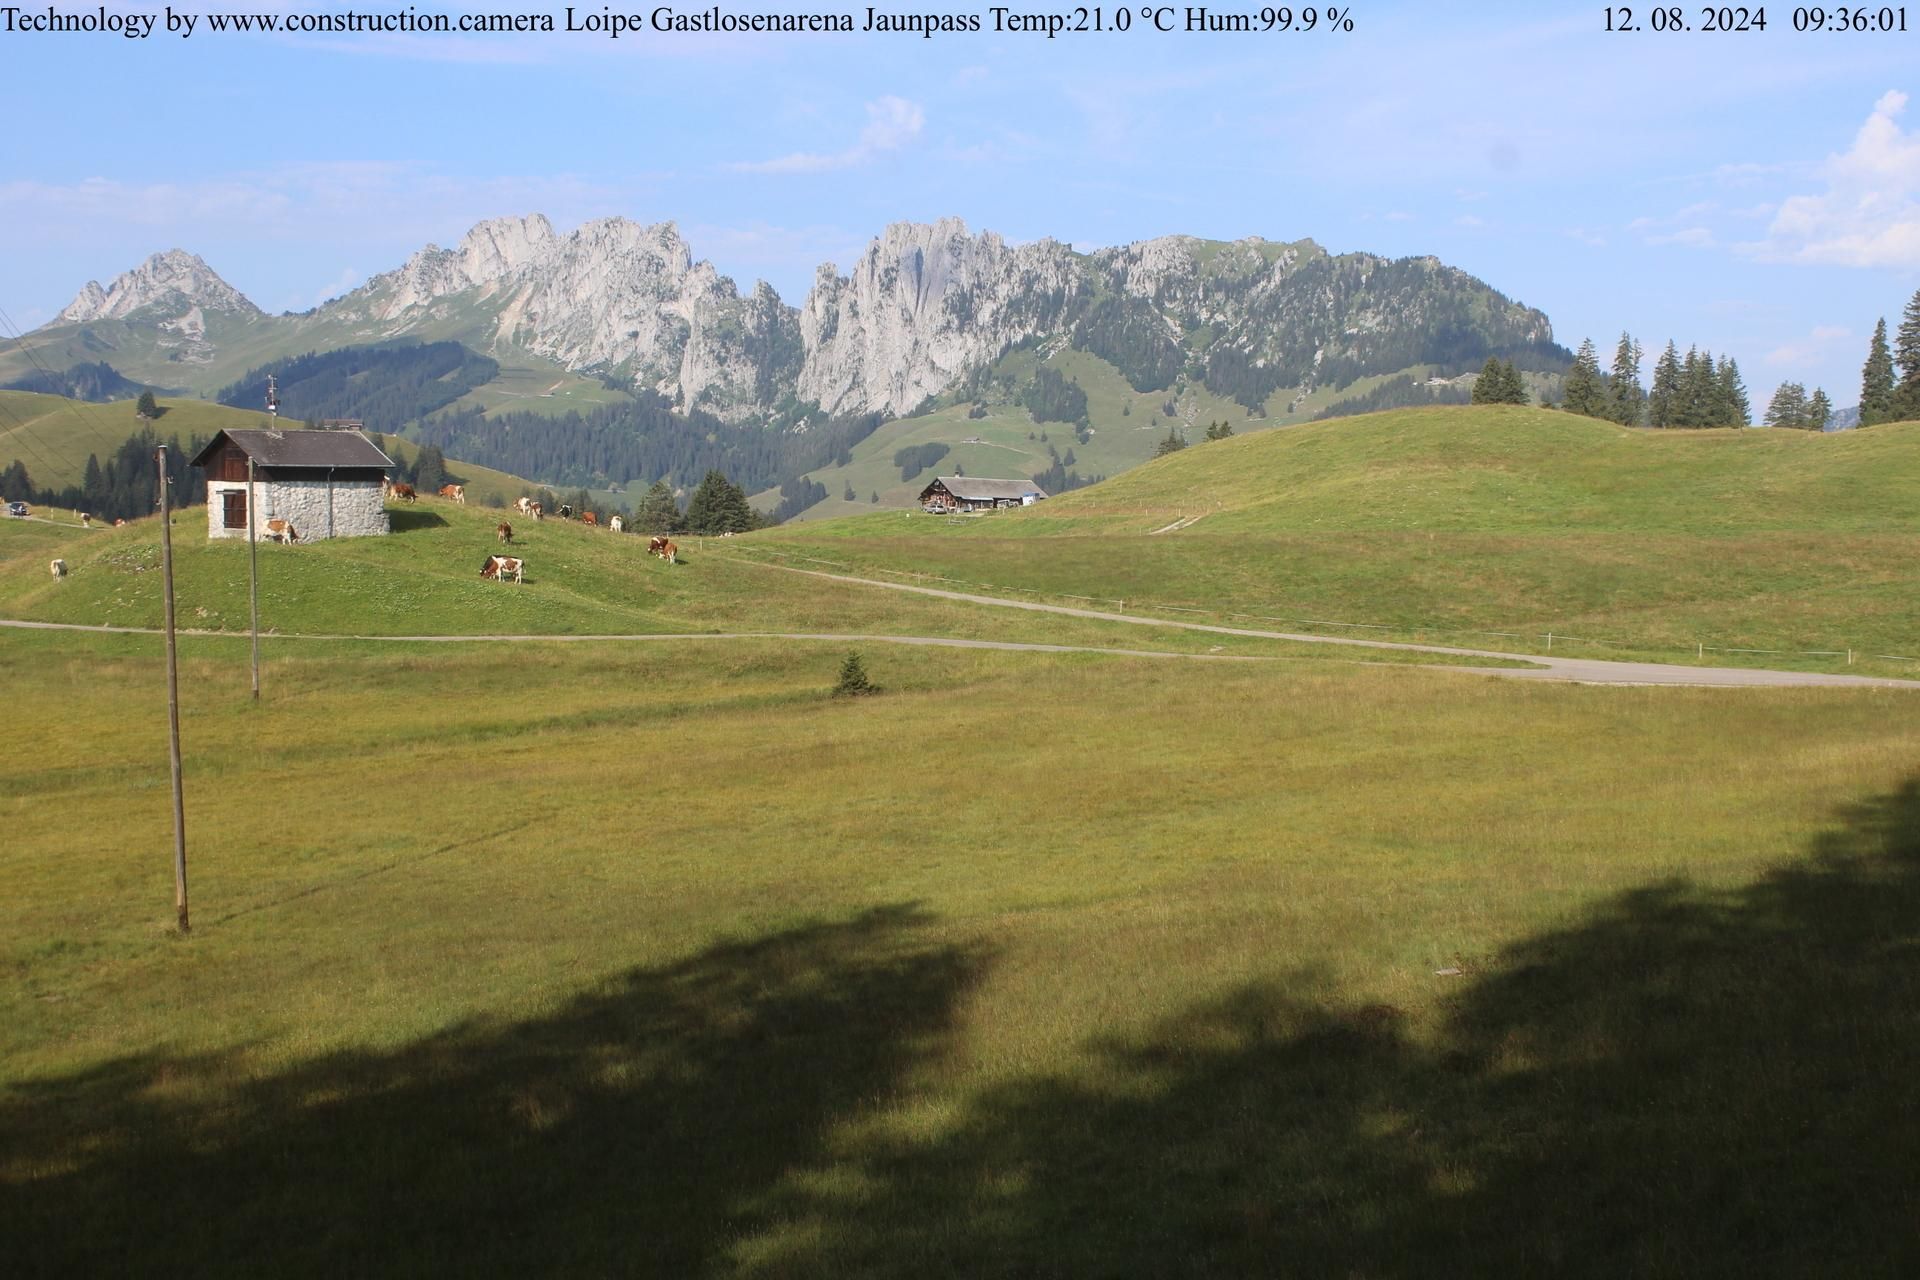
1547 638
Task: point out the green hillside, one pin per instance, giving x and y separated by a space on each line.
52 437
1476 519
525 382
423 579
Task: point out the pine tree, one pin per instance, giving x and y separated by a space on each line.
1906 359
1734 409
1515 385
850 495
1819 411
1584 393
1699 391
1626 397
1663 399
430 469
1172 444
719 506
1876 380
1490 386
93 487
657 512
1788 408
147 407
853 679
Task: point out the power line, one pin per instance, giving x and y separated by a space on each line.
101 432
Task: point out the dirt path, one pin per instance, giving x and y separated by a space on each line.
1573 670
1578 670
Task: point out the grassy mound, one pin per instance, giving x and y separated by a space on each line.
1492 526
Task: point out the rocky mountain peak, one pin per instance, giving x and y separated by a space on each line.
176 281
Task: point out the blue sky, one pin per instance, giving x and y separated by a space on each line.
1756 194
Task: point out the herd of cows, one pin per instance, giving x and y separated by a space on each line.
498 568
505 568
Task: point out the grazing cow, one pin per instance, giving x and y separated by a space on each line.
500 568
458 492
404 492
657 545
86 521
589 519
524 505
539 512
281 531
670 553
59 570
119 524
617 525
565 512
506 534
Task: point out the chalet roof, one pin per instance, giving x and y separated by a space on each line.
300 449
970 489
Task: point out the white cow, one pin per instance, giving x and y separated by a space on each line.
500 568
59 570
617 525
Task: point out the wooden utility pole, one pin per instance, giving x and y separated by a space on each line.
253 579
173 697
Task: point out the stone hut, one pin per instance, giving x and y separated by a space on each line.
327 483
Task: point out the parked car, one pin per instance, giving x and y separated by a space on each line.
18 509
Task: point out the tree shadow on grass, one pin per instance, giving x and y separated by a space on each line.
1691 1082
408 519
620 1135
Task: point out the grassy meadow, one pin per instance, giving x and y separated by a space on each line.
1487 526
598 958
652 957
423 579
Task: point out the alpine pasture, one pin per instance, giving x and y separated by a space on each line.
652 957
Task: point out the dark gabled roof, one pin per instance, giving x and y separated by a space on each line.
968 489
300 449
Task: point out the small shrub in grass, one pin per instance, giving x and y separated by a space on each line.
853 679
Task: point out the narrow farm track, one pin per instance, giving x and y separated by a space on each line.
1574 670
1564 670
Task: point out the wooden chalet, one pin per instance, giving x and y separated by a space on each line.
966 493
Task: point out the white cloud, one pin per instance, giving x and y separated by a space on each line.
1686 237
1820 341
1592 239
1469 221
1869 215
891 124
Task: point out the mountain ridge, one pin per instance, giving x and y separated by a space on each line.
923 308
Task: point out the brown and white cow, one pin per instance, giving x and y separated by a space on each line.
119 524
86 521
59 569
657 545
505 531
500 568
523 504
617 525
589 519
458 492
403 492
670 553
281 531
